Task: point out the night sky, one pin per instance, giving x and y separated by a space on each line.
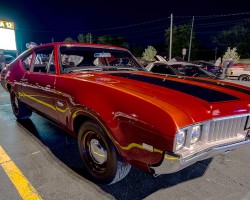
139 22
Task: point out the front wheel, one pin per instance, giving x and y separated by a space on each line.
100 158
20 110
244 77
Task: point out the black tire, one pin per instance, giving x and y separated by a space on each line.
20 110
244 77
100 158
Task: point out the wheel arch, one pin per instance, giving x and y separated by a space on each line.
84 116
8 86
79 120
244 75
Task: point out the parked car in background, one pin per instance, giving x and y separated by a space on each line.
122 115
242 74
8 59
161 67
217 70
156 58
5 60
160 58
179 68
239 65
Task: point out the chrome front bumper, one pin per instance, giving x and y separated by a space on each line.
174 163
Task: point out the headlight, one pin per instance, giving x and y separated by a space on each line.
195 134
180 139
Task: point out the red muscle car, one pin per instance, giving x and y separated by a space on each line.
123 115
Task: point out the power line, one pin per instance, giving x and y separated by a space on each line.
104 29
137 24
218 23
214 16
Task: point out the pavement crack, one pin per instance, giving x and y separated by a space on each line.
230 178
30 154
235 181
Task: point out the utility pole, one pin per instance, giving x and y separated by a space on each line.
90 38
171 32
190 41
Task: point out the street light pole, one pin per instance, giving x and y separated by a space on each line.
190 41
171 32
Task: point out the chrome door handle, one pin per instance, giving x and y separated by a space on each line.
59 103
23 79
47 87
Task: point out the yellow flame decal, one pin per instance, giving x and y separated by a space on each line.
130 146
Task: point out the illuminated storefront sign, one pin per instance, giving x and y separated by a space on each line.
7 35
6 24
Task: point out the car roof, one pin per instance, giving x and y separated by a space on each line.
79 44
176 63
203 61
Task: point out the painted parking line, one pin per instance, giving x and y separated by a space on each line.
25 189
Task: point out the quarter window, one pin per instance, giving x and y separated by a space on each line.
44 61
27 61
162 69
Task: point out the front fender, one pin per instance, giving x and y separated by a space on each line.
140 127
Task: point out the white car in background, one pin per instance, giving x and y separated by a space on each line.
179 68
242 74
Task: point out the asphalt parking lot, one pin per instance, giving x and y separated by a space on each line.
40 161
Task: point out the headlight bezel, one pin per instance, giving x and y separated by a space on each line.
189 131
195 134
179 134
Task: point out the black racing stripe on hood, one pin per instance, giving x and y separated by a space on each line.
205 94
219 84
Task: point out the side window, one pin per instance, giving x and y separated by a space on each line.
44 61
180 68
27 61
162 69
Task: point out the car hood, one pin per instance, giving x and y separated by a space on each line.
200 98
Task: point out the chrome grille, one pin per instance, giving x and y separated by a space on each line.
226 128
248 124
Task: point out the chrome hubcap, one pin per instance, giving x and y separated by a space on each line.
97 152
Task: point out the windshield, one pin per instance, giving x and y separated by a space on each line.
77 58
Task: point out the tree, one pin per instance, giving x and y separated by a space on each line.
81 38
149 54
231 53
238 36
88 38
137 50
69 39
112 40
180 39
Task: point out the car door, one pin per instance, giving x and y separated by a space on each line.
25 63
38 83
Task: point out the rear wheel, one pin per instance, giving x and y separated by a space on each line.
244 77
100 158
20 110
